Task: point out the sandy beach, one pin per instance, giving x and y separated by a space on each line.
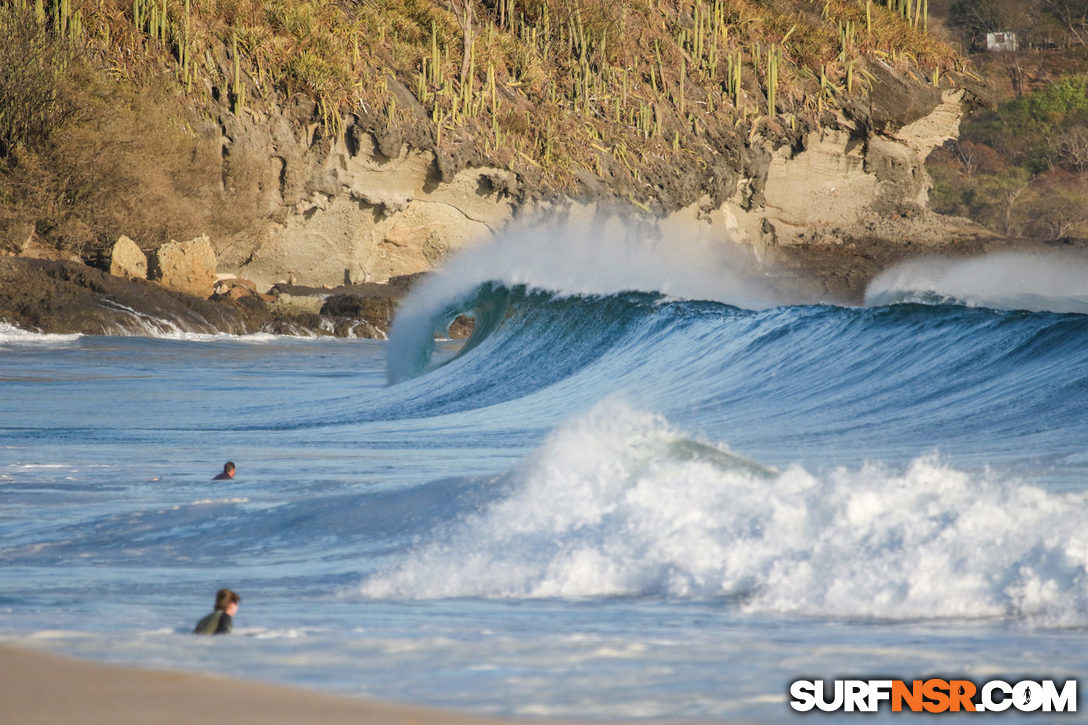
44 689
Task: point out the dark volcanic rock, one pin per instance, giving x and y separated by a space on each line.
896 101
65 297
405 282
462 327
355 315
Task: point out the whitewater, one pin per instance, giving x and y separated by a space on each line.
648 486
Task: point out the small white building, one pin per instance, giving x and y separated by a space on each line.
1001 41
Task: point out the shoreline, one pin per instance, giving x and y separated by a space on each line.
66 297
39 688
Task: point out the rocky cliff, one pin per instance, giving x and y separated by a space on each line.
324 145
822 208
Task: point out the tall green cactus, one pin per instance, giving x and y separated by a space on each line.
774 56
238 88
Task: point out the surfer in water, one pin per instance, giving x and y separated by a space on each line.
227 472
221 620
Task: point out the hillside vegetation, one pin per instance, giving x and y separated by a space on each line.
1022 169
109 108
1020 165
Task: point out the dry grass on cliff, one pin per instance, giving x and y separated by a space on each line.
624 92
85 158
546 82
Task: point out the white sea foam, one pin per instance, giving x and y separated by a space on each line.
11 336
142 326
1041 282
607 507
214 501
255 337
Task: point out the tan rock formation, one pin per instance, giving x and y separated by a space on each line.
826 183
226 282
359 208
128 260
356 212
186 266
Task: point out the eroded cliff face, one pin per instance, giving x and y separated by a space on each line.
851 198
349 209
823 213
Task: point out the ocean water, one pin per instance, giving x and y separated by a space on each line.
660 492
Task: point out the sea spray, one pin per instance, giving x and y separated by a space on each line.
1040 282
615 503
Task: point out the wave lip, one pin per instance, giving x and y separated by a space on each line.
598 261
618 503
1049 282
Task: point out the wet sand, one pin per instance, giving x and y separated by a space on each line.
44 689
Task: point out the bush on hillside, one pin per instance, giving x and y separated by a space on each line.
33 65
85 158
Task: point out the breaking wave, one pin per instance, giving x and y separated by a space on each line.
599 262
617 502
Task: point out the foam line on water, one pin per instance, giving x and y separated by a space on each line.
12 336
142 325
608 507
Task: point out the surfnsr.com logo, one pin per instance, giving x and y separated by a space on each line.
933 696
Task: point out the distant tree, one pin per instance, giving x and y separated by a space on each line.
978 159
1072 147
1053 206
1073 16
1004 191
464 11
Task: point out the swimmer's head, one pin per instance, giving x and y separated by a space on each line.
224 598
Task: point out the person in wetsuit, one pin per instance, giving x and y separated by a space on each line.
221 620
227 473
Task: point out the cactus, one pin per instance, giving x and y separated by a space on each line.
733 78
238 88
184 49
774 54
846 39
683 72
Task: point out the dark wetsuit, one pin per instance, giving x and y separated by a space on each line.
218 622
